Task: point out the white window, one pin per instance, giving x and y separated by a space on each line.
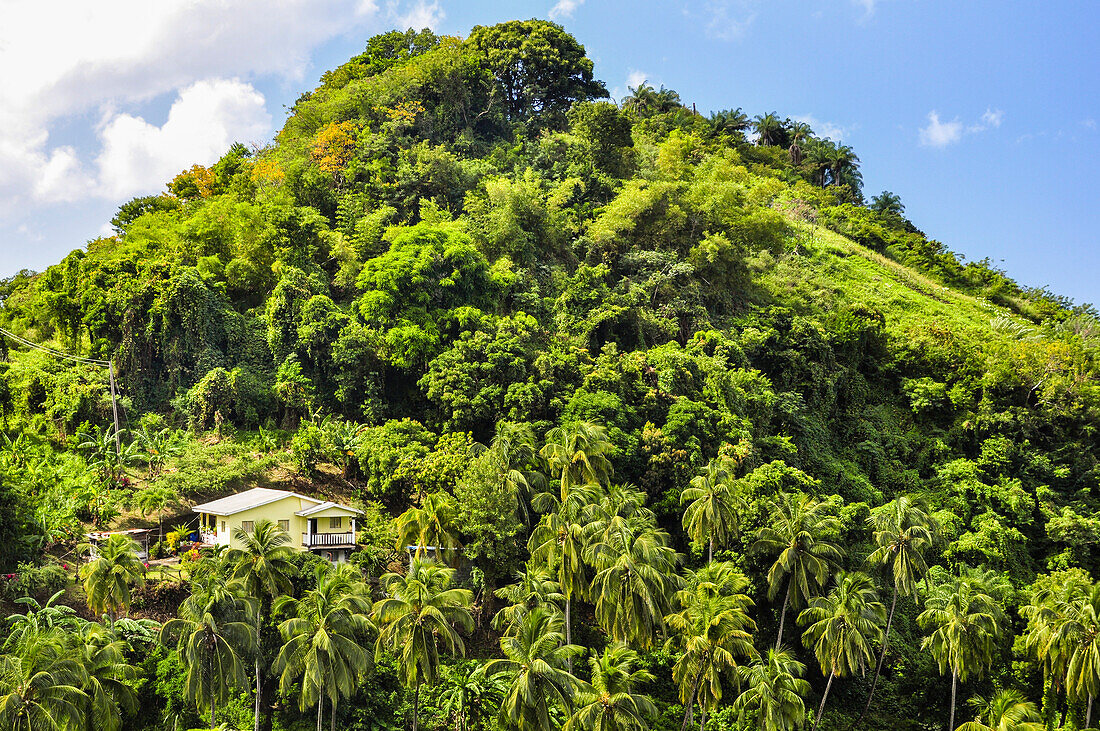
334 523
247 526
284 526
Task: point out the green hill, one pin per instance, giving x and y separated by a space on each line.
459 242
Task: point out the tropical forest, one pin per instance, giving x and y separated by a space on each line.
650 418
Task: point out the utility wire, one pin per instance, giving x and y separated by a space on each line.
51 351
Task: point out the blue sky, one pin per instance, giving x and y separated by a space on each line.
982 116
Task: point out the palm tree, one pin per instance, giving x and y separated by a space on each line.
211 636
844 167
635 574
887 203
577 455
535 586
903 532
1006 711
109 577
431 526
799 132
769 129
262 567
608 702
965 622
711 630
817 153
512 453
843 627
1080 635
712 513
467 692
730 122
535 658
1046 614
772 699
419 614
40 684
156 500
806 556
108 679
323 636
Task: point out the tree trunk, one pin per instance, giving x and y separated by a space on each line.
954 682
783 612
568 633
689 713
710 551
882 655
320 697
702 717
1088 713
416 704
825 695
259 689
332 720
210 679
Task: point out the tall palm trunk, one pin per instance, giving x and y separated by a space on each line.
416 704
825 695
259 689
954 682
689 714
320 697
332 719
568 631
882 655
783 612
710 551
1088 713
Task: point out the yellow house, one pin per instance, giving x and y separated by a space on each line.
326 528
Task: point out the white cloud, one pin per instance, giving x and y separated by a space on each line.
940 134
867 5
728 19
564 9
828 130
420 15
67 58
636 78
206 118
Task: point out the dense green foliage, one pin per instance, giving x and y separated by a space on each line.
721 435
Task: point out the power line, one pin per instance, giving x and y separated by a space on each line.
51 351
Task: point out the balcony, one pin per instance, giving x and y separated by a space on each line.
327 540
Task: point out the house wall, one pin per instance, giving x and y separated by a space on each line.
281 510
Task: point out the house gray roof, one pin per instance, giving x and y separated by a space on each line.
325 506
247 500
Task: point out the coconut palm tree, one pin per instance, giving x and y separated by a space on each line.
211 635
1006 711
1080 635
576 454
156 500
535 586
1046 614
964 621
324 636
108 679
262 568
467 693
432 525
806 555
513 451
535 661
887 203
844 167
109 578
608 702
711 630
843 627
713 507
40 684
421 613
774 688
634 580
903 532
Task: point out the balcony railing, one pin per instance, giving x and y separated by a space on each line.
313 540
208 537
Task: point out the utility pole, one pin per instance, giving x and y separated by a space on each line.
114 406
